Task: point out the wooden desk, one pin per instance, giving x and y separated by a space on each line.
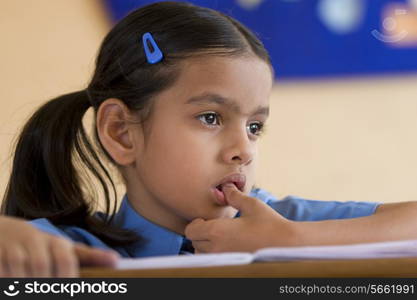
395 267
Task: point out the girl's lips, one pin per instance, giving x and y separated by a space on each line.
219 197
238 179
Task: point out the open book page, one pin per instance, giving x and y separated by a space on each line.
392 249
186 261
406 248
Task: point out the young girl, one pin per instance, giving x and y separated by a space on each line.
180 95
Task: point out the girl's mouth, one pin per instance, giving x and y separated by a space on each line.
220 186
238 179
220 197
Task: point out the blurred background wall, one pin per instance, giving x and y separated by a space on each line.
344 107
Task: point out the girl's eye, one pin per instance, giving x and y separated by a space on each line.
209 118
255 128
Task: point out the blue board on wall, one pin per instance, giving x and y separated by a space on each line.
300 41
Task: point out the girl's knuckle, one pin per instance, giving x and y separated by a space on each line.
67 261
216 232
59 242
16 257
41 264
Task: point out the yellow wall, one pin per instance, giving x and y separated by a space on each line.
344 140
341 139
47 48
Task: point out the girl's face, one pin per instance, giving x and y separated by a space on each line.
203 131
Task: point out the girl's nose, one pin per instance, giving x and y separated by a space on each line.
238 149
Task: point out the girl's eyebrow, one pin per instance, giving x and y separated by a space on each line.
220 100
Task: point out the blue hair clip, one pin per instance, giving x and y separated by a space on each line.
152 56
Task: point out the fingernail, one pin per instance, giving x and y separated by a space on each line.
228 186
113 254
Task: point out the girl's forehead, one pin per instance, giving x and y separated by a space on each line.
231 77
210 65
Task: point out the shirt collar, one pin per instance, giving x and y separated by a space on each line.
156 240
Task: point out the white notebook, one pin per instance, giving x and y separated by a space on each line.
406 248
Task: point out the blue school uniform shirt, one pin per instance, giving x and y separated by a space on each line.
161 241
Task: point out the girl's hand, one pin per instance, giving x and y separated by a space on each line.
28 252
258 226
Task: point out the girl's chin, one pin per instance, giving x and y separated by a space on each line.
221 212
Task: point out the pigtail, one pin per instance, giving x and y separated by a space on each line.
45 181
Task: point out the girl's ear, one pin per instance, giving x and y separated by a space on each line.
115 131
